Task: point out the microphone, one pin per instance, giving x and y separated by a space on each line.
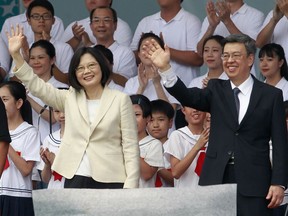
43 109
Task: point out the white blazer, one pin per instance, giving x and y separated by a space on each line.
110 142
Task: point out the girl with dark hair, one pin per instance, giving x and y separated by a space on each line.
15 183
273 67
42 59
212 51
148 81
99 148
151 152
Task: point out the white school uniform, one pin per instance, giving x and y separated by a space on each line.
26 141
52 142
178 145
152 152
167 166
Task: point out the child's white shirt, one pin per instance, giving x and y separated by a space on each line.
52 142
178 145
26 141
152 151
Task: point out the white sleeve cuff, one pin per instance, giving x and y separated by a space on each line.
168 77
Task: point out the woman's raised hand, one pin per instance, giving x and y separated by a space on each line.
15 40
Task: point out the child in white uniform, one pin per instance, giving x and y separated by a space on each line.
48 150
162 114
184 148
16 182
151 152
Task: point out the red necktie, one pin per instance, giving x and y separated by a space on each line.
57 176
7 164
200 161
158 182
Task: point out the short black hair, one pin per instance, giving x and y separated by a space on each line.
143 102
99 57
150 35
161 106
106 52
46 45
18 91
218 38
40 3
114 13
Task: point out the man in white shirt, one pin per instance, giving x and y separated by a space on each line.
40 17
275 27
179 30
103 25
21 19
77 32
230 17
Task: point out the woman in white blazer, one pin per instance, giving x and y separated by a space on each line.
99 148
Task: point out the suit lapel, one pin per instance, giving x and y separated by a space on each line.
106 101
82 105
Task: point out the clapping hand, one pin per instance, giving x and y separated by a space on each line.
47 156
205 82
142 77
223 11
212 17
78 31
283 6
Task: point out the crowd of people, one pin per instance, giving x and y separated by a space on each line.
94 105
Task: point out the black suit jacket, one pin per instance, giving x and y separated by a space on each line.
249 140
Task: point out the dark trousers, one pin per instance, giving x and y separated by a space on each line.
88 182
246 205
280 211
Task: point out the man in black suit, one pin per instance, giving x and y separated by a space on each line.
238 150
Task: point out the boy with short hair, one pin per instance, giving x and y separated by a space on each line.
40 17
162 114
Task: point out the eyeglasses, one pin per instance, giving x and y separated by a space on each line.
44 16
106 20
91 67
234 56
